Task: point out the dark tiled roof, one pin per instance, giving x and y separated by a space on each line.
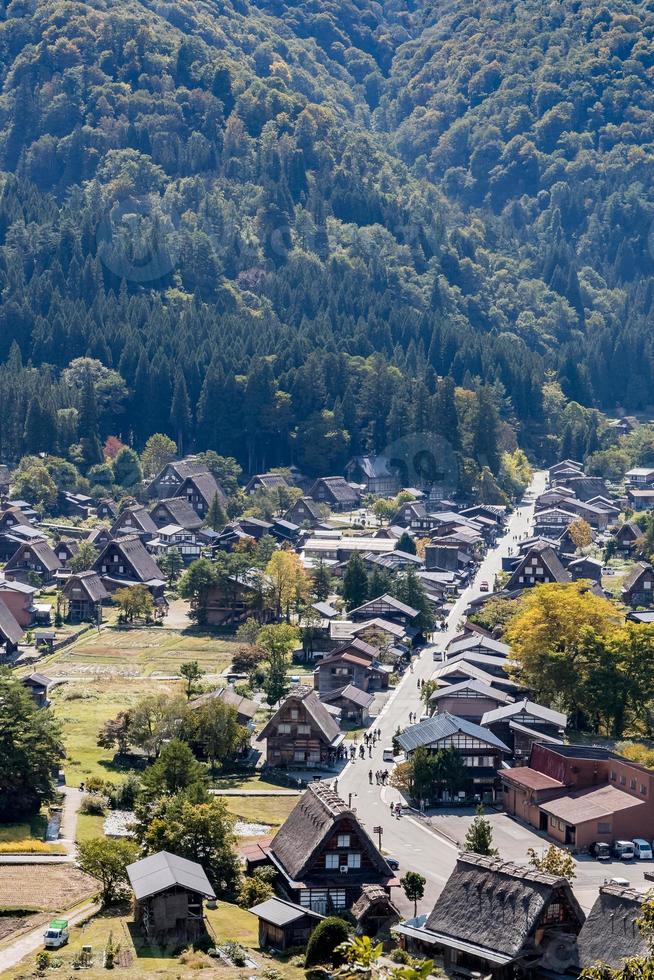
495 904
350 693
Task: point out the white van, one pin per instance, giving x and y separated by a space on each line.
642 849
623 849
388 755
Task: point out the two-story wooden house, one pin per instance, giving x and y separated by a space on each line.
305 512
638 585
127 562
353 662
84 594
200 490
499 920
175 510
134 520
541 565
335 492
324 855
302 733
37 557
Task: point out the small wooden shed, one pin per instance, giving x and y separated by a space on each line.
284 924
168 893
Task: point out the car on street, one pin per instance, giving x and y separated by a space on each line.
484 587
392 862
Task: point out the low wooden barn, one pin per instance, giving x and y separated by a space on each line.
168 896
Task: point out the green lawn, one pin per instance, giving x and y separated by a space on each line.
24 830
89 827
83 708
272 810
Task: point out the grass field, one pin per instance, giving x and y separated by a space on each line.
141 653
272 810
245 783
135 959
43 887
89 827
33 828
83 708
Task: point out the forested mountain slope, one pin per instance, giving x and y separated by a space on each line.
281 222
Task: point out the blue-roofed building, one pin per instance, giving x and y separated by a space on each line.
480 750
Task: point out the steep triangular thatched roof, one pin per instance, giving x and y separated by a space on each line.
610 934
310 824
496 905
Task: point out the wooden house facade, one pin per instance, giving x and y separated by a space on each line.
325 856
302 733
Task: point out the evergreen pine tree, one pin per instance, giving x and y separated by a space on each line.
216 516
355 582
88 424
180 411
322 583
479 838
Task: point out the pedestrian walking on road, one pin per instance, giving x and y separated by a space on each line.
362 752
370 751
370 777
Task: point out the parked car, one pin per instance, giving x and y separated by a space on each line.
393 863
56 934
623 849
388 755
642 849
622 882
600 850
483 587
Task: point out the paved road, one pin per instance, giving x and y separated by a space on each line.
418 846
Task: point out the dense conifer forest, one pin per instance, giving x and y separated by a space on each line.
292 231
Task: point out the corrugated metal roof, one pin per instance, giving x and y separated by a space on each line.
162 871
444 726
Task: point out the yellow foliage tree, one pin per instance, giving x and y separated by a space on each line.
288 583
581 533
548 631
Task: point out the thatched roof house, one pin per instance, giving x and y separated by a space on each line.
493 915
324 855
610 934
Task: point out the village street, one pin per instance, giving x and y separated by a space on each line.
430 845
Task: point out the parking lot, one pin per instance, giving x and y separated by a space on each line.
512 839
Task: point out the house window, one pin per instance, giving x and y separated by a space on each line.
121 569
604 827
294 714
623 780
104 568
612 776
632 784
283 729
354 860
343 840
643 789
337 898
332 861
304 729
299 756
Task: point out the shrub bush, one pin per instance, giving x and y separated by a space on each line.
94 805
322 944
